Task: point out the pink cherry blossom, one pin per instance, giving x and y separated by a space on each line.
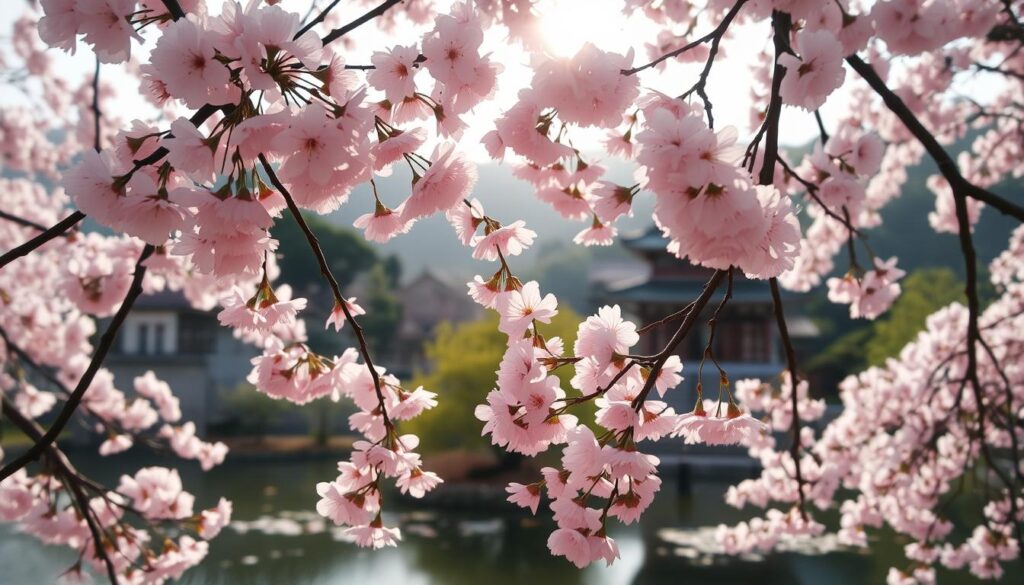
447 181
818 70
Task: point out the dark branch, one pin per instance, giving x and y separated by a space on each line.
702 81
104 346
325 270
974 339
787 345
711 36
58 229
821 127
201 115
97 138
344 30
319 18
22 221
781 22
174 9
667 319
70 479
945 163
680 334
70 476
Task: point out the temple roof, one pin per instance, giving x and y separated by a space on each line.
165 300
650 240
682 290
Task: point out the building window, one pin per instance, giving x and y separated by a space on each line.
743 341
149 334
143 339
158 338
754 345
197 334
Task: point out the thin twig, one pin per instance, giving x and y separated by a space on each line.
702 80
319 18
667 319
787 345
716 33
97 139
678 336
344 30
325 270
56 230
22 221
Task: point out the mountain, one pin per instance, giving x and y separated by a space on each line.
432 245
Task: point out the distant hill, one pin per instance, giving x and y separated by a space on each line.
432 243
905 231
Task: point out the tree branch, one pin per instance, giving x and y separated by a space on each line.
319 18
22 221
174 9
325 270
714 34
201 115
71 479
782 23
344 30
97 138
787 344
104 346
702 81
945 163
680 334
57 229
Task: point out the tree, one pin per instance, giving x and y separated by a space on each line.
253 413
383 311
281 119
465 357
924 292
348 254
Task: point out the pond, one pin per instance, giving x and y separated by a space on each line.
276 538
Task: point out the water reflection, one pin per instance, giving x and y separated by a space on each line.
276 539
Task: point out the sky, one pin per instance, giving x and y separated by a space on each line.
565 26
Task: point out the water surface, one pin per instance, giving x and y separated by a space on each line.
278 539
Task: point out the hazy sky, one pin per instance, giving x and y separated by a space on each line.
567 25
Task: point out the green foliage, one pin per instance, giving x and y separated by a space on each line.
924 292
465 360
843 356
383 310
253 412
347 253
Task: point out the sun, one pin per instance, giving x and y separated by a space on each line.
567 25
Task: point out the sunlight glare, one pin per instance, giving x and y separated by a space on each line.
566 25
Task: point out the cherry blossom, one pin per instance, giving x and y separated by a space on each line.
259 113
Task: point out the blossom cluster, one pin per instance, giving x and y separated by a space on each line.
260 115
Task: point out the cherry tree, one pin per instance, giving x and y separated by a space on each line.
260 114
